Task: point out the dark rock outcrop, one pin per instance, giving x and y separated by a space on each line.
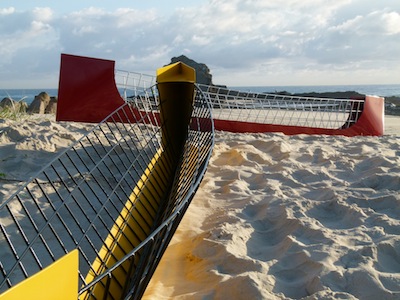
203 75
333 95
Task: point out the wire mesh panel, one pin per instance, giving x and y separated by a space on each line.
133 84
263 108
117 195
282 109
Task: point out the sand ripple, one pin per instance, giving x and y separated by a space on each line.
301 217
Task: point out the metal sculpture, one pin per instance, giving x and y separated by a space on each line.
116 197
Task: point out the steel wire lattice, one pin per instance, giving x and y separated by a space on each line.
278 109
74 202
266 108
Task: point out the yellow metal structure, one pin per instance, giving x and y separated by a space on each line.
57 281
175 84
140 214
128 228
176 92
177 72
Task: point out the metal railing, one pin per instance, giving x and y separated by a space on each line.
265 108
278 109
133 84
117 183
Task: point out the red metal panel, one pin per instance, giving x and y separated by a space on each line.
87 90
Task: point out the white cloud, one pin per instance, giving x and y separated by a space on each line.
7 11
392 21
44 14
264 40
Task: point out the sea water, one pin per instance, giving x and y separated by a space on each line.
383 90
26 95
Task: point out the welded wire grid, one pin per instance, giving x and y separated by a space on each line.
74 201
282 109
133 84
263 108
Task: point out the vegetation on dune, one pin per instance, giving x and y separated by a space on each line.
12 109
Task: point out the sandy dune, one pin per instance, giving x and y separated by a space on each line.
276 217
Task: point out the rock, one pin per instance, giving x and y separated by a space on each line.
16 106
203 75
23 107
51 108
7 102
39 104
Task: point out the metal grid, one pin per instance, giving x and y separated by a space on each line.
73 202
263 108
133 84
282 109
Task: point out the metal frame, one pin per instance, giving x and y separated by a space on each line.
283 109
240 111
74 202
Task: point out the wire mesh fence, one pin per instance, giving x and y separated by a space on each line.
278 109
265 108
117 195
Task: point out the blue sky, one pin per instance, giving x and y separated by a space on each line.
243 42
70 6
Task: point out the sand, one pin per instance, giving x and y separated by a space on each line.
276 217
29 143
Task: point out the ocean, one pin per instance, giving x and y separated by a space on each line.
27 95
383 90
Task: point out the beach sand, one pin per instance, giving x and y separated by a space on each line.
276 217
290 217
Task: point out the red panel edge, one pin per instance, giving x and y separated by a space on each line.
87 91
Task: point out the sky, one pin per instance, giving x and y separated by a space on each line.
243 42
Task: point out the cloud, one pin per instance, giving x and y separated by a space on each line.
392 22
26 35
254 42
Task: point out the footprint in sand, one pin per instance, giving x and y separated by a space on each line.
336 214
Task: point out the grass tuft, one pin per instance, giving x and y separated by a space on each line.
12 109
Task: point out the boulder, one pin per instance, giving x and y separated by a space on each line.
203 75
39 104
51 108
16 106
7 102
23 107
